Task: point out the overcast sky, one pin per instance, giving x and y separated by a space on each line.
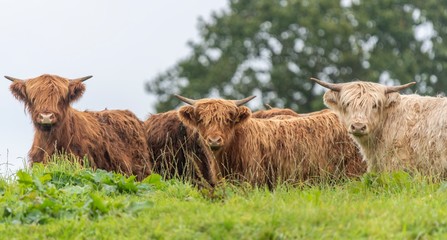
122 44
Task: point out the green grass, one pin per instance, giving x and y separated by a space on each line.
65 201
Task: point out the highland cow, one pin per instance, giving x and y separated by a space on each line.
393 131
177 149
113 140
270 151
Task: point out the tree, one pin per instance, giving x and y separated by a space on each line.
271 48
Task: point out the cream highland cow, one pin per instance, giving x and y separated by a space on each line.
393 131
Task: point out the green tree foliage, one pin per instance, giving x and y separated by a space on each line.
271 48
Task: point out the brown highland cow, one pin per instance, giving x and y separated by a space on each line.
177 149
113 140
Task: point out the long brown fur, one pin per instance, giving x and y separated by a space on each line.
283 113
403 132
113 140
269 151
268 113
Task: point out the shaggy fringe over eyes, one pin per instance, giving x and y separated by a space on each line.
224 112
46 90
363 96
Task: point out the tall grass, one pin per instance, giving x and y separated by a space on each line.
63 200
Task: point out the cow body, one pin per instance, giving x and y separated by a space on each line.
113 140
268 151
394 131
412 136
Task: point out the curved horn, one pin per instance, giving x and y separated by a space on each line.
332 86
12 79
391 89
186 100
243 101
82 78
267 106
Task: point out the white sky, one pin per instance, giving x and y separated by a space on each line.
122 44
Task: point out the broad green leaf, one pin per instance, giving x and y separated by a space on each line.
98 203
24 177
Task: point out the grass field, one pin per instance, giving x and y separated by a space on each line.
65 201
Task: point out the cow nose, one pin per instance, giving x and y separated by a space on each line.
358 128
215 142
46 118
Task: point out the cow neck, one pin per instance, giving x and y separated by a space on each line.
223 159
218 158
369 149
220 161
372 141
233 156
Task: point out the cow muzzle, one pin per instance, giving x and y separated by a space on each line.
46 120
358 129
215 143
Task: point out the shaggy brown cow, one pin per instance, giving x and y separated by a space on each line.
267 151
177 149
393 131
110 139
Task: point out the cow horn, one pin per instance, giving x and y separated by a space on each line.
186 100
332 86
391 89
12 79
82 78
267 106
243 101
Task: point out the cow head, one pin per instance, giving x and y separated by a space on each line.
47 97
214 119
361 105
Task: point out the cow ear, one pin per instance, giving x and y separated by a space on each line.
18 89
392 99
331 99
75 90
244 114
186 115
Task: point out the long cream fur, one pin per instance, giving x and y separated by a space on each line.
404 131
